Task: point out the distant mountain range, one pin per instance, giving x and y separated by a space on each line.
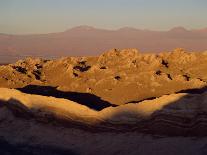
86 40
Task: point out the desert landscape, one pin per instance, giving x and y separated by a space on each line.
112 77
123 102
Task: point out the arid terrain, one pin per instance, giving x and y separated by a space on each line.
90 41
120 102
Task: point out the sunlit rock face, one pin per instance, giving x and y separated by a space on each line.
116 76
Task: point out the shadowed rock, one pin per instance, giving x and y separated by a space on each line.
87 99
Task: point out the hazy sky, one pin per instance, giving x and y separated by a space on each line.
43 16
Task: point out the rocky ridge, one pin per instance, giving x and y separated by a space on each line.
116 76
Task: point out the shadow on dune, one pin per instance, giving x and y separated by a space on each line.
194 91
189 91
90 100
24 149
186 116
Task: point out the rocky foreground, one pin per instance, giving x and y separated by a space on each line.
121 102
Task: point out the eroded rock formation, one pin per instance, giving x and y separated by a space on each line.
116 76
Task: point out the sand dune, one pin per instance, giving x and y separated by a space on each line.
27 136
175 114
47 125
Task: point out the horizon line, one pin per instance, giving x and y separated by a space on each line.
89 27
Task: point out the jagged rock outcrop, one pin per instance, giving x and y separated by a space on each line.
117 76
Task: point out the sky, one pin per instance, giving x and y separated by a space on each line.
44 16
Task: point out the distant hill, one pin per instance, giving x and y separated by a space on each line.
86 40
